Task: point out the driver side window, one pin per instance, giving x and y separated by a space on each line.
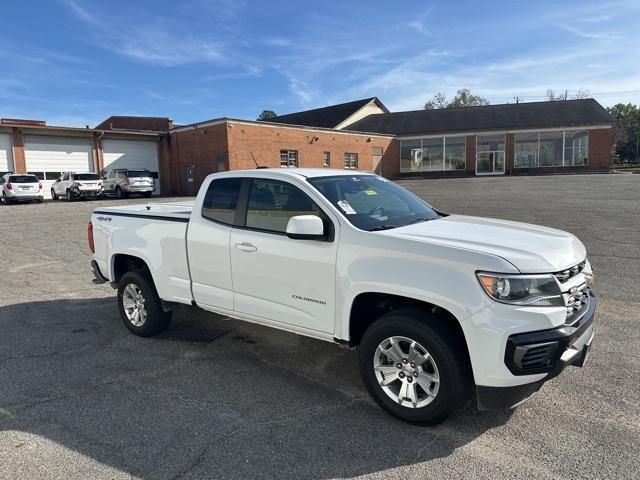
272 203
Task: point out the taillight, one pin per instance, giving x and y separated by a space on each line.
9 187
92 245
126 181
39 185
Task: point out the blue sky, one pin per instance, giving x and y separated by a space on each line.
75 62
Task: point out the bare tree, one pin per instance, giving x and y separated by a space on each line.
552 96
463 98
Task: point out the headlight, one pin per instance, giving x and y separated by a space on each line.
540 290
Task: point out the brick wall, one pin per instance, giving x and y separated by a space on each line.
509 152
200 147
17 143
265 142
470 141
600 146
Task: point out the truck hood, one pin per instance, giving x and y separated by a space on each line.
530 248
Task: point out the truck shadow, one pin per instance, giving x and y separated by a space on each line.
253 403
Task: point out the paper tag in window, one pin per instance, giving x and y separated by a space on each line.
369 192
346 208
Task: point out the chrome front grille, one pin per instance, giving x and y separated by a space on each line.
569 273
577 300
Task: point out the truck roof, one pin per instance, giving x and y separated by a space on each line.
301 172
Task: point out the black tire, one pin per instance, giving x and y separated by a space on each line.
157 319
147 194
40 200
443 346
54 197
69 196
121 194
7 200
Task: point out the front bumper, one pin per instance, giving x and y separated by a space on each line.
553 351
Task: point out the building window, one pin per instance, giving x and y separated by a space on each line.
288 158
351 160
326 159
455 151
561 148
221 199
576 144
490 154
433 154
221 162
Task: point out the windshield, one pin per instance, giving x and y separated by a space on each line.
138 173
23 179
86 176
373 203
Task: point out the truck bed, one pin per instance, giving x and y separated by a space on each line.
177 211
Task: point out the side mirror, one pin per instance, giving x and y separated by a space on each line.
305 227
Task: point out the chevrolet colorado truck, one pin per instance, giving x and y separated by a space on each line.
441 307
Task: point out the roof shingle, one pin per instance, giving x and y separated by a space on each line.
531 115
325 117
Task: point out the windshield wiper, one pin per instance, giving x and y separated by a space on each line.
424 219
383 227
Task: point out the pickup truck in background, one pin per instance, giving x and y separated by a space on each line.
441 307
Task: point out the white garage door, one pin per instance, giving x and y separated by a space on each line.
6 155
47 157
132 154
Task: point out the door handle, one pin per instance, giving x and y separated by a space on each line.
246 247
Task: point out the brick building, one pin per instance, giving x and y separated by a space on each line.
525 138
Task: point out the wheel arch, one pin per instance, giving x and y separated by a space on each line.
367 307
122 263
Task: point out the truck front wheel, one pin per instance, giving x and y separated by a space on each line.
140 307
412 368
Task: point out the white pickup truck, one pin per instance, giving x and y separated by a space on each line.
440 306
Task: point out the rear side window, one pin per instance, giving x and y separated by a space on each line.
221 200
138 173
272 203
85 176
23 179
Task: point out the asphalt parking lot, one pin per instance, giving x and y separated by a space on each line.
81 397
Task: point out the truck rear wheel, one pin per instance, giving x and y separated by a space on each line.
413 369
140 307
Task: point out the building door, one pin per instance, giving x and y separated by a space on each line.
47 157
490 150
377 160
6 154
191 185
132 154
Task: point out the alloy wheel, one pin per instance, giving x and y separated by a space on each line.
134 306
406 372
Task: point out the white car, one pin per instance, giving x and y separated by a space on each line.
440 306
18 187
72 186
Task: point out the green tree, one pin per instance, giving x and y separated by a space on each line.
463 98
266 115
627 131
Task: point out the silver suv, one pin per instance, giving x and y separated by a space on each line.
123 182
72 185
16 187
